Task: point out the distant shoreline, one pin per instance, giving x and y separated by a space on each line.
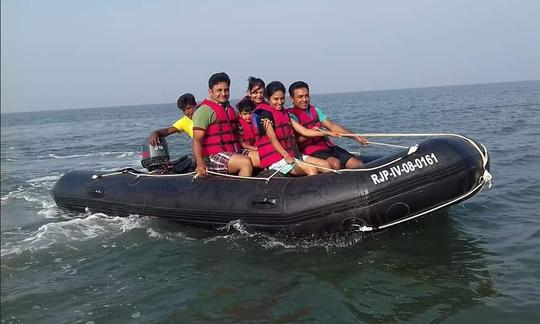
237 99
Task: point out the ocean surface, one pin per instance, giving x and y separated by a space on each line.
478 261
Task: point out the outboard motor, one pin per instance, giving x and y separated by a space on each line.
154 157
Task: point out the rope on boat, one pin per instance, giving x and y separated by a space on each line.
485 178
370 142
244 177
315 166
365 228
482 154
386 144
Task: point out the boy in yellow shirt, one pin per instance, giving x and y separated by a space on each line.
186 103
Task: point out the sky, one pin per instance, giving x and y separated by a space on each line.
81 54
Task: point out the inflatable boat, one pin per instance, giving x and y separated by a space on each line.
433 174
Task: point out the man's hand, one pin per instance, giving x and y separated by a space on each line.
154 139
201 170
266 123
362 140
289 159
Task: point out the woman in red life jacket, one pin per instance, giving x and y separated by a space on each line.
247 136
276 145
255 91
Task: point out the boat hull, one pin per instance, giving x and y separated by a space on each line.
440 172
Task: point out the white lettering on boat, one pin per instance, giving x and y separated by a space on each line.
404 168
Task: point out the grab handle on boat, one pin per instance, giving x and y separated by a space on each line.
265 201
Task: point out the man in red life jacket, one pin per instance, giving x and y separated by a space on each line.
215 139
313 118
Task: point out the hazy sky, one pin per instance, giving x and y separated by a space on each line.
76 54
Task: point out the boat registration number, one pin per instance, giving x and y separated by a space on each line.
404 168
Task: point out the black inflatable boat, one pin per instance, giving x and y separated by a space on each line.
433 174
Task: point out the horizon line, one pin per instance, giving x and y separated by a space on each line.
316 94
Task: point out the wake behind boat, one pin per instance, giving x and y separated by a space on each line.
389 190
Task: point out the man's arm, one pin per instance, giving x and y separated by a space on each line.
198 135
327 123
164 132
202 118
311 132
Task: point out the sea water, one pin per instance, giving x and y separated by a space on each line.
478 261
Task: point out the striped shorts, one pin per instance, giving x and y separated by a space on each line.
218 162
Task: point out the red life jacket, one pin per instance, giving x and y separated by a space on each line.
221 135
248 134
284 133
311 144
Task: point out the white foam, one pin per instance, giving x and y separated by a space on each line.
12 194
45 178
49 210
154 234
271 243
126 154
54 156
100 154
28 194
20 193
237 225
77 229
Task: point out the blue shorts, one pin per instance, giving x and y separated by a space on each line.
337 152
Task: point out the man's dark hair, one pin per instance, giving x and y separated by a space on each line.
255 82
185 100
272 87
297 85
218 78
246 105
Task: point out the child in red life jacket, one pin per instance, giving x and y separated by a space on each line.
247 136
276 145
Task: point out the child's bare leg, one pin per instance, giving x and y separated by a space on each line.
240 164
301 169
318 162
254 156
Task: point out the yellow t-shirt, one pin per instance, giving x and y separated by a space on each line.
184 124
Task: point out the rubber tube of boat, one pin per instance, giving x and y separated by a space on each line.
153 157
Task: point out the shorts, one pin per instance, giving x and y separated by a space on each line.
218 162
335 151
283 166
